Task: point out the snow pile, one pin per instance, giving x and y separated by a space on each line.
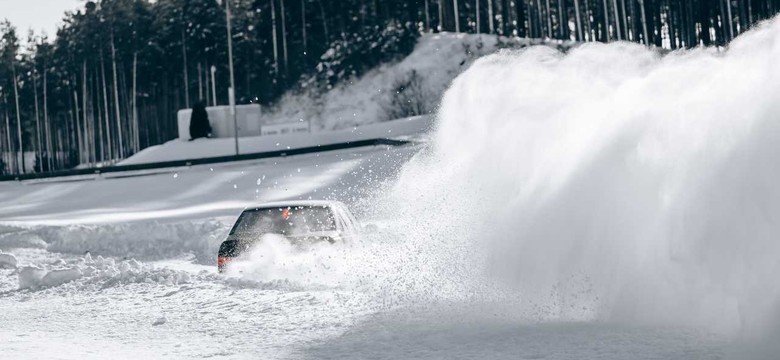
641 188
7 261
149 240
30 277
18 237
99 272
59 277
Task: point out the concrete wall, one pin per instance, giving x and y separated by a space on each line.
248 117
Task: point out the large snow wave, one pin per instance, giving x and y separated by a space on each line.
610 183
144 240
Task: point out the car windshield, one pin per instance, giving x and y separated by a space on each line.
288 221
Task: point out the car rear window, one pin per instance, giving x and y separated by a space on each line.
288 221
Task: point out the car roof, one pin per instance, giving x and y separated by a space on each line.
293 203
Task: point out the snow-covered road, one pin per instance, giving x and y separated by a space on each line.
172 222
148 289
199 192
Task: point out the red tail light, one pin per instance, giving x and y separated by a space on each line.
222 261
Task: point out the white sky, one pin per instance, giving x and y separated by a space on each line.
37 14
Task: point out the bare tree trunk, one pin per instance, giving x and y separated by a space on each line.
539 20
98 112
579 36
184 70
136 137
303 28
427 16
324 21
8 132
563 20
607 35
85 122
116 100
625 20
476 6
616 12
730 19
491 25
441 16
588 23
127 114
59 146
18 116
105 108
274 38
39 154
549 19
644 22
284 37
208 84
78 126
46 118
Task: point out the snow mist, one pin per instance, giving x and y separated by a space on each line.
610 183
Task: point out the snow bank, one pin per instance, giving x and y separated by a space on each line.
7 260
99 272
59 277
15 237
147 240
203 148
141 240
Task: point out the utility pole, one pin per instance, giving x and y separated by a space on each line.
457 16
232 90
213 86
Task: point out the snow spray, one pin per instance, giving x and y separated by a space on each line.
610 183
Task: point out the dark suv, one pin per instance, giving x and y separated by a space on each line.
301 222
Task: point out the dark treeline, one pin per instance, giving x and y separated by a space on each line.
111 79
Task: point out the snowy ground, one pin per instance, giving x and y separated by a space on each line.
148 287
172 223
588 224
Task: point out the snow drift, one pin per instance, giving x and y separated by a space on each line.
145 240
100 273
